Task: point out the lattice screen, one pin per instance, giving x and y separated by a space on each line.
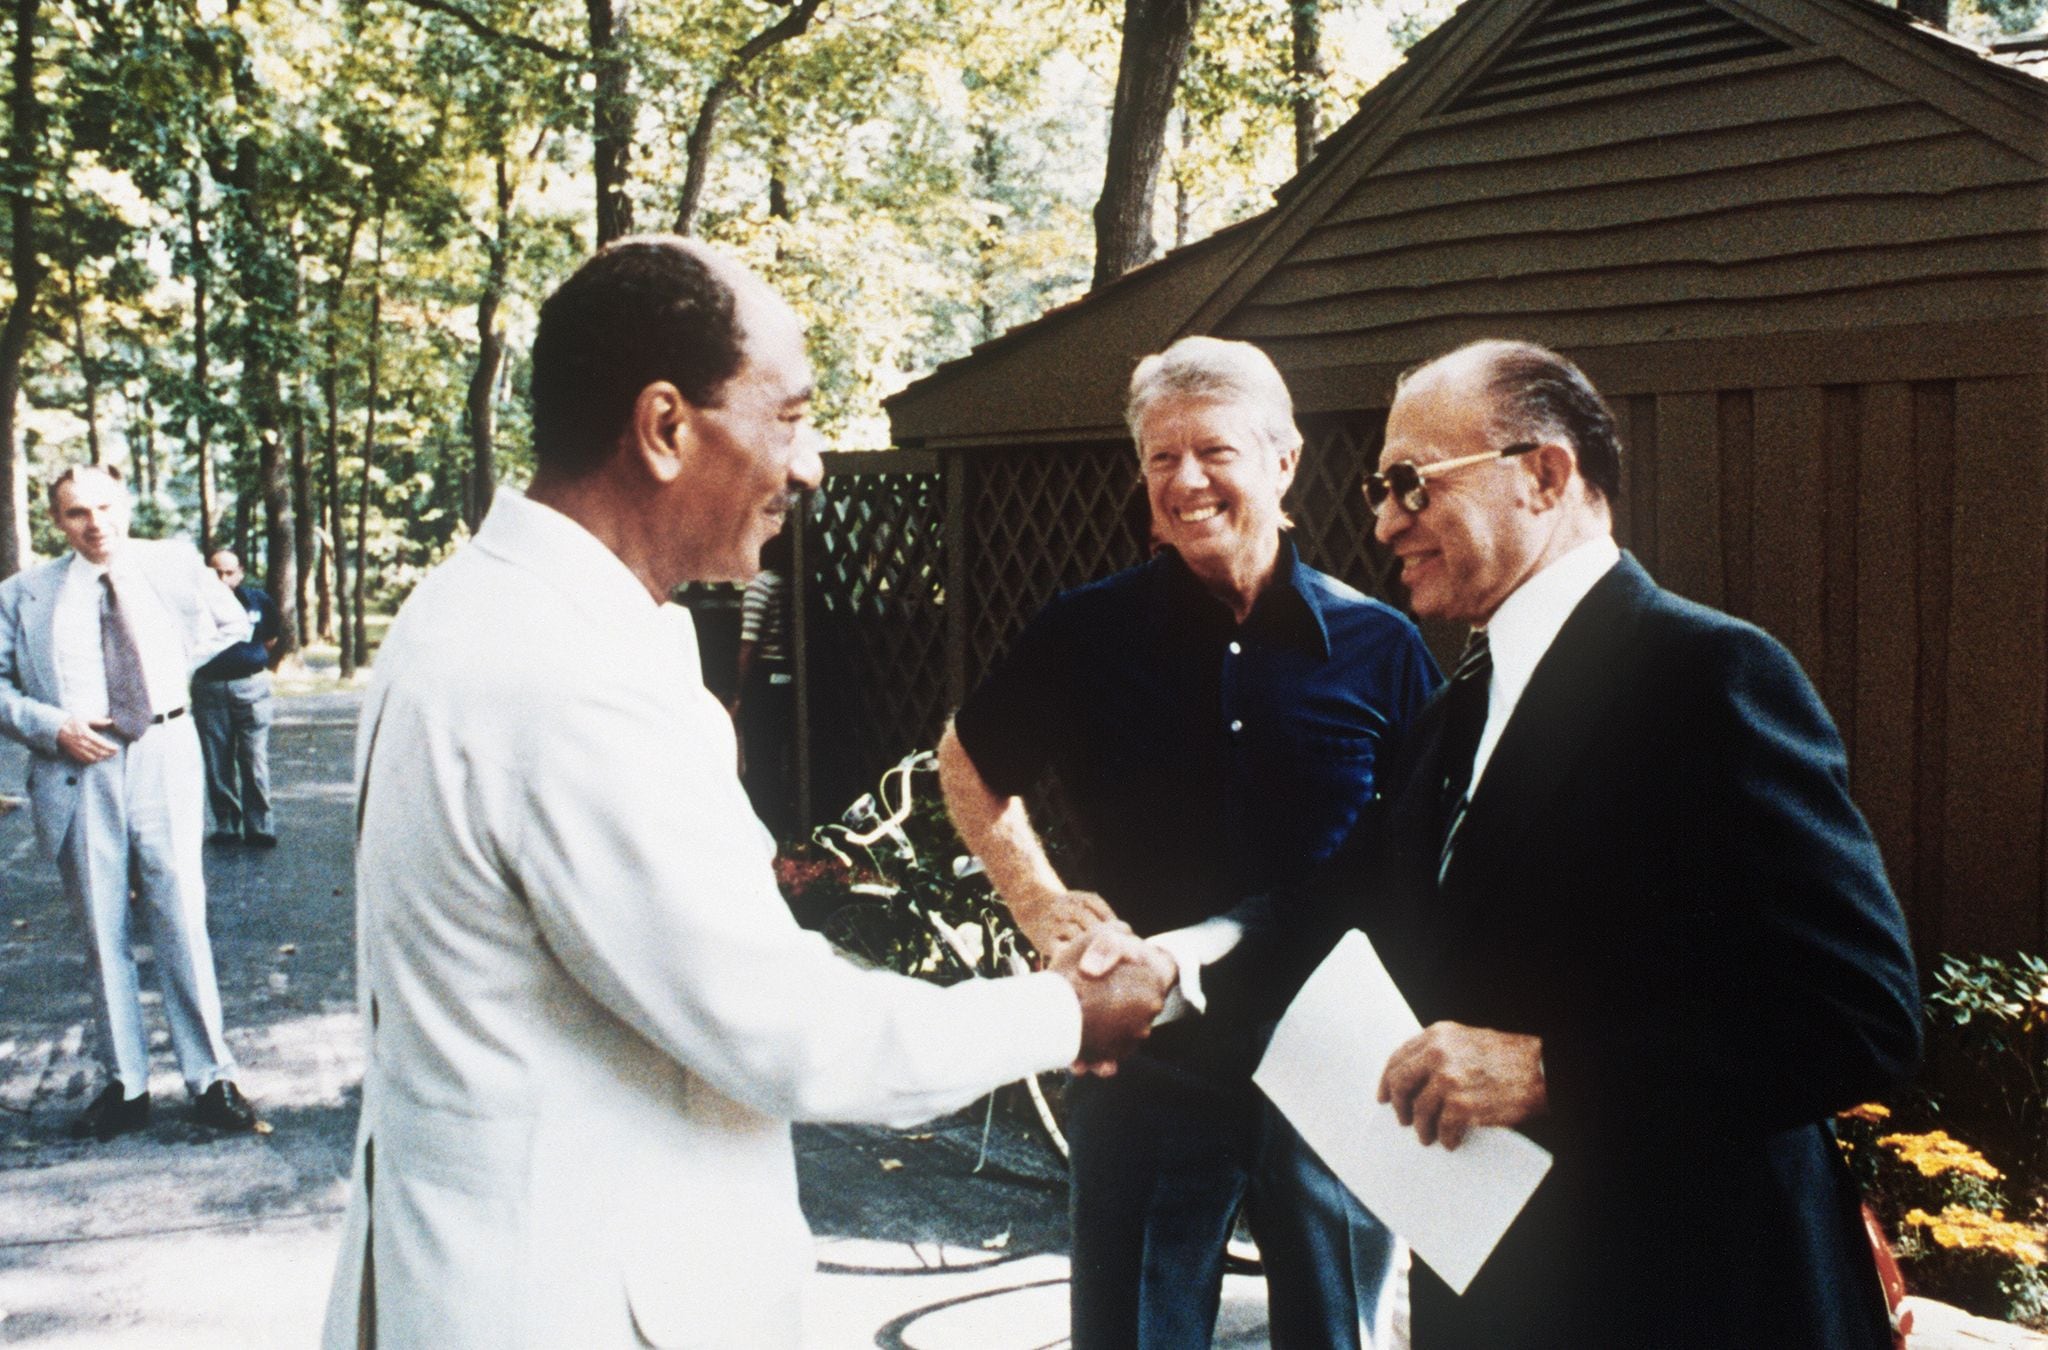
877 554
1044 521
1332 527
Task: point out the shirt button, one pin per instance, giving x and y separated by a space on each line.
1236 727
1235 649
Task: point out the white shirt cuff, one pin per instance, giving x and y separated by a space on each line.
1192 948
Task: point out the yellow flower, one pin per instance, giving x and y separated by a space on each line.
1870 1112
1963 1228
1935 1153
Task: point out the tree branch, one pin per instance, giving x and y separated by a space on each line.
698 154
485 31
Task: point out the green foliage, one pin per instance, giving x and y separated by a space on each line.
1969 1219
1991 1013
917 178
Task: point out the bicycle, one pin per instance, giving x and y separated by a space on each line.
938 925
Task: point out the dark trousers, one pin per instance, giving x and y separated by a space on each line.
1162 1157
234 717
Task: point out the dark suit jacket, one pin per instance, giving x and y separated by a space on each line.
1661 874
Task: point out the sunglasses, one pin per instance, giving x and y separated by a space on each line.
1407 483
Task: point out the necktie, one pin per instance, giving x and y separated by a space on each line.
1464 719
127 693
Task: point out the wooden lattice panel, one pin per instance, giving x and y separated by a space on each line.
878 561
1045 521
1332 526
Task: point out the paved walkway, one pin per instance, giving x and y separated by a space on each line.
172 1239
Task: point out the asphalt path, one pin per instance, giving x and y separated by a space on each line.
174 1238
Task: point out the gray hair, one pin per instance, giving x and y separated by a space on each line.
1216 370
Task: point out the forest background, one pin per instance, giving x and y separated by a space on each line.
280 259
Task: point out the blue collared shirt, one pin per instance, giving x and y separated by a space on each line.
1205 760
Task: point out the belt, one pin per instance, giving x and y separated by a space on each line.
171 716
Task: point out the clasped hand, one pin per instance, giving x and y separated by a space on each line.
1122 982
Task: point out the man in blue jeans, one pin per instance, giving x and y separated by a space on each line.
1215 717
231 702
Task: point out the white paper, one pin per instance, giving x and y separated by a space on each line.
1323 1072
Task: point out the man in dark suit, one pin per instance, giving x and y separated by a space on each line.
1624 888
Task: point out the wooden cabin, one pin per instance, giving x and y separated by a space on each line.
1802 246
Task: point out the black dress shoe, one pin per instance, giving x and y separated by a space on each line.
261 840
223 837
113 1112
225 1108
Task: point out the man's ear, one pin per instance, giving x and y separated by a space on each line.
662 430
1551 466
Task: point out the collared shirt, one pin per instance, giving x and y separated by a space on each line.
81 665
1204 760
251 656
1525 625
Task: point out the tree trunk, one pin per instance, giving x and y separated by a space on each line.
302 522
334 575
244 501
88 369
1183 197
611 120
202 352
362 632
696 162
1308 79
142 436
335 589
482 480
280 546
1155 47
24 137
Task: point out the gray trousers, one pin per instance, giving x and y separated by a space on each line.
234 731
139 824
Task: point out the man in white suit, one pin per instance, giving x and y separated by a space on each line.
591 1017
97 650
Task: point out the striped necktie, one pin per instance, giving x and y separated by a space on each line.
127 691
1465 700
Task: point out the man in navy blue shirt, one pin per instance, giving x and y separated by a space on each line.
1214 717
231 702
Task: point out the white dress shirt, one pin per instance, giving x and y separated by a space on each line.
1525 625
81 665
591 1013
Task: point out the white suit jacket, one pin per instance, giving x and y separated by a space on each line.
590 1014
203 611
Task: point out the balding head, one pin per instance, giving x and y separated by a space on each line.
1496 445
1534 394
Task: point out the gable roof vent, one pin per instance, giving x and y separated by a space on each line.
1582 42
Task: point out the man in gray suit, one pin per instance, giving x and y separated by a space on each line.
97 650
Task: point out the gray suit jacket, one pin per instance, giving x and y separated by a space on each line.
203 610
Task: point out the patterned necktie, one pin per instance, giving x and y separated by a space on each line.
1464 720
127 693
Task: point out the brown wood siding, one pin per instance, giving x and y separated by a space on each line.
1998 694
1895 538
1786 194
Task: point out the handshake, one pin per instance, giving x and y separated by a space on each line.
1122 982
